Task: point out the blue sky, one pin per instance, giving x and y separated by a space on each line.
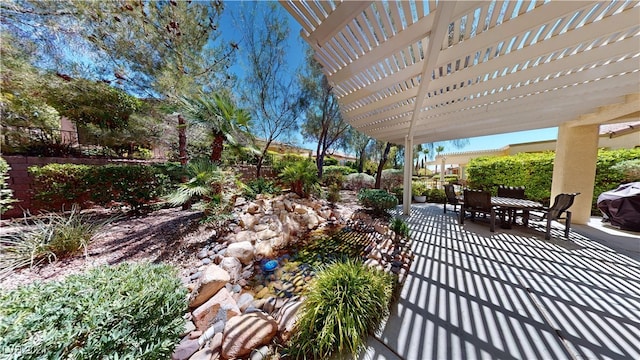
296 59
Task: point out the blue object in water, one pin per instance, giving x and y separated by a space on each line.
270 265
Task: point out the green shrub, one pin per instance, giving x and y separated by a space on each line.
344 170
400 227
436 196
333 196
346 302
333 178
452 178
61 185
419 188
6 194
391 178
630 170
48 238
260 186
281 162
378 200
126 311
399 192
534 171
329 161
359 181
302 176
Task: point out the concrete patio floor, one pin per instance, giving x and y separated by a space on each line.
473 294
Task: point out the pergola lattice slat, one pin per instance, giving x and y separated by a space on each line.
492 63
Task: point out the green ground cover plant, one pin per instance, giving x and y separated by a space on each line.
260 186
378 200
106 312
346 302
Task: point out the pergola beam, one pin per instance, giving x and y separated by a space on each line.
607 113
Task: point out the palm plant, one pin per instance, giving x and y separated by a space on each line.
206 181
222 118
302 176
439 149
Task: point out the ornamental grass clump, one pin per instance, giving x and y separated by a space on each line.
129 311
345 303
48 238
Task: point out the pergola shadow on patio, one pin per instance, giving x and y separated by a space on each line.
473 294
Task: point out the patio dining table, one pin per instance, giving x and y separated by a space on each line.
511 205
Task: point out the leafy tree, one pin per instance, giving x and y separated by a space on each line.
359 142
87 102
323 122
269 89
160 48
222 119
382 163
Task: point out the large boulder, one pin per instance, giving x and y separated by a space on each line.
245 235
243 251
233 266
264 249
213 279
247 221
286 318
208 313
246 332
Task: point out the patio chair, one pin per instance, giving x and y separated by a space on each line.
478 201
514 192
561 204
450 198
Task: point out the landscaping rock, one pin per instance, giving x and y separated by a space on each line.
205 315
266 234
185 349
216 342
253 208
244 301
204 354
188 327
212 280
287 317
246 332
248 236
248 221
264 249
260 353
211 332
233 266
243 251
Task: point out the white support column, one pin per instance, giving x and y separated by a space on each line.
408 172
574 169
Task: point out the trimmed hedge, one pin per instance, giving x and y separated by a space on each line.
129 311
61 185
534 171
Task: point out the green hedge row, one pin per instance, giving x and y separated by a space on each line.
534 171
61 185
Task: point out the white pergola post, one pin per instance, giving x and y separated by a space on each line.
408 171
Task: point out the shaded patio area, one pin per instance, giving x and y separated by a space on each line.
473 294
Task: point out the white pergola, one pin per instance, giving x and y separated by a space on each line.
416 72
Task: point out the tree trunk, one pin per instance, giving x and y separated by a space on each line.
261 158
216 147
182 151
361 162
383 161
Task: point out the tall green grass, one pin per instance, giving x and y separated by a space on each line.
346 302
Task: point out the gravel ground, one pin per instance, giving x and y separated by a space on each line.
172 236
